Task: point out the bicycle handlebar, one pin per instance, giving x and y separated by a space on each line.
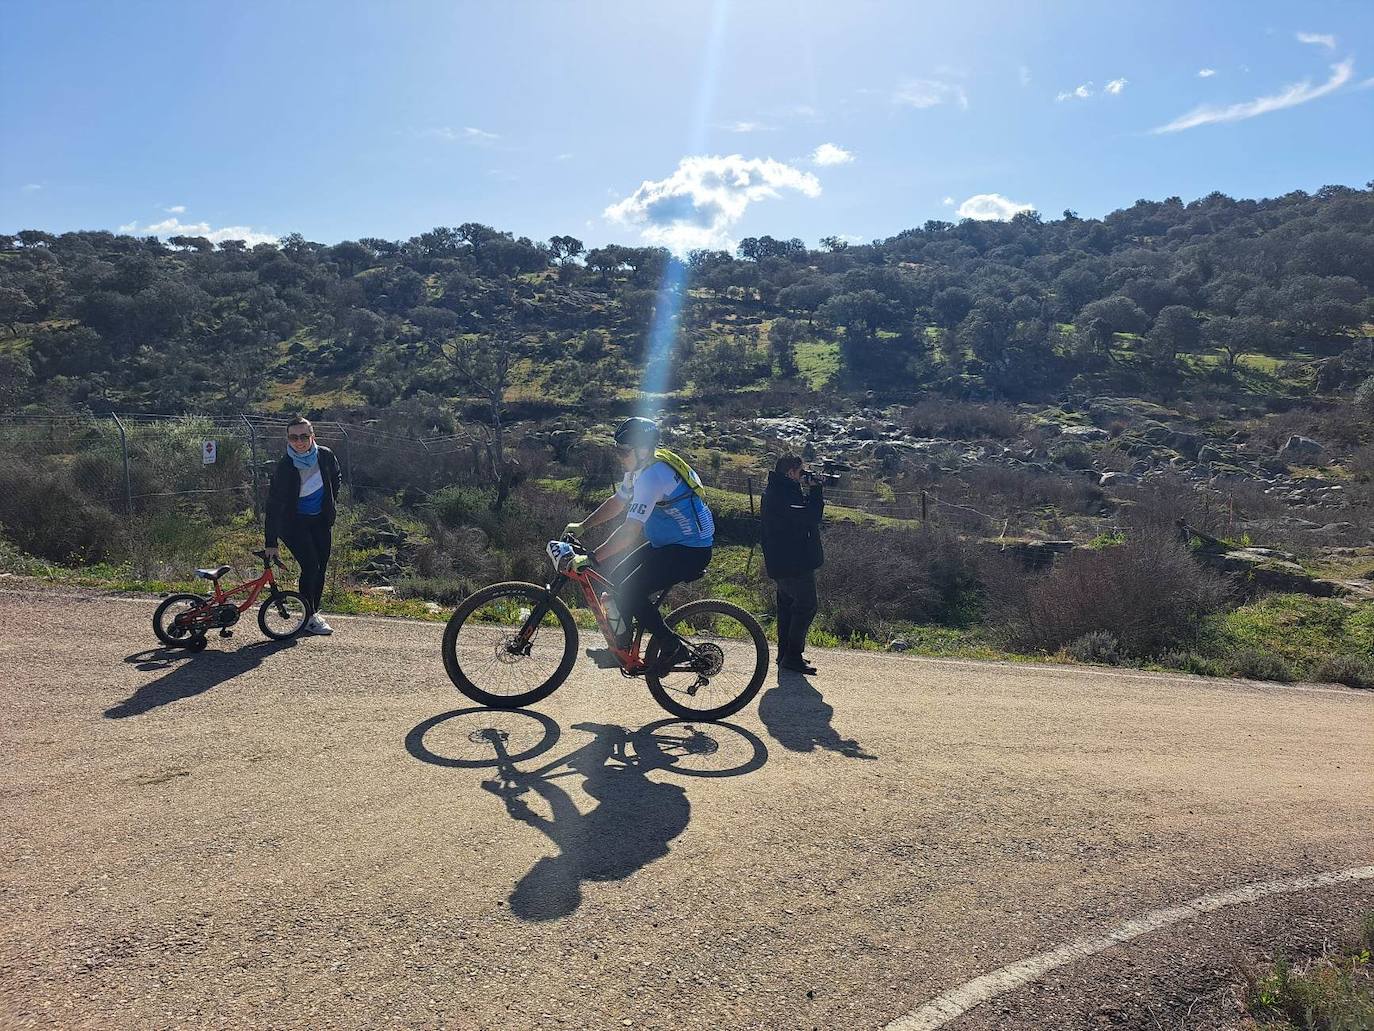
266 562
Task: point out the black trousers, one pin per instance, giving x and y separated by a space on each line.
796 609
648 569
310 541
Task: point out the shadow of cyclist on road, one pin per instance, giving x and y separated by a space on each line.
189 674
631 825
800 720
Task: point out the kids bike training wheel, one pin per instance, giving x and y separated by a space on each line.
485 657
727 666
164 619
283 615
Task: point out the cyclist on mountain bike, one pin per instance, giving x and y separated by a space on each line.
667 533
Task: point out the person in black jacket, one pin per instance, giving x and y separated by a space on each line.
301 504
792 553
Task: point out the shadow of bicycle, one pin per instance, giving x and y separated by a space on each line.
634 819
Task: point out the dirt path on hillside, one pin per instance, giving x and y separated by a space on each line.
316 835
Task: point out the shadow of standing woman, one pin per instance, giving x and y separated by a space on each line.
195 675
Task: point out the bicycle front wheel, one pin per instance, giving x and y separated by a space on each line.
489 660
284 615
726 669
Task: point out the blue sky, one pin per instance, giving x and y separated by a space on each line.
684 123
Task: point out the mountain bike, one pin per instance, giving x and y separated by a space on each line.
512 644
184 620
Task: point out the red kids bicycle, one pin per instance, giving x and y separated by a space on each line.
183 620
512 644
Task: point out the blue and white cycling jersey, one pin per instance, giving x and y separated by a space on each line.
669 509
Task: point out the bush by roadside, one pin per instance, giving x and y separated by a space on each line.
1148 593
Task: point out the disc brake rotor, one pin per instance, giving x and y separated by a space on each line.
510 649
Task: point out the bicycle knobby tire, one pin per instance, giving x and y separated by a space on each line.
525 594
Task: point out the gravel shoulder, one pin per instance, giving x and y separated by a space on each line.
298 836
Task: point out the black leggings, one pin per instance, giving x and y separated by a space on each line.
309 540
648 569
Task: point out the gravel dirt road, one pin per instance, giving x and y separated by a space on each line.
317 835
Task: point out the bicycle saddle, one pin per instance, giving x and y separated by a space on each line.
212 574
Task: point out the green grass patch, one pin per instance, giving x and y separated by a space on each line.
818 361
1332 992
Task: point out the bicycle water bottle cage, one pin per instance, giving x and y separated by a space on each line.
212 574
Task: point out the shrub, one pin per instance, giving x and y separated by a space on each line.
1191 662
963 420
1258 664
1351 670
45 514
1149 593
1098 646
874 578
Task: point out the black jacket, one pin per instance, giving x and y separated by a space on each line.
791 527
285 491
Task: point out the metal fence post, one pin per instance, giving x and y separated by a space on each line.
348 460
128 483
253 451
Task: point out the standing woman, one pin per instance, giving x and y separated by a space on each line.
301 504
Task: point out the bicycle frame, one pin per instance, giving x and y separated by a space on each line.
202 614
593 584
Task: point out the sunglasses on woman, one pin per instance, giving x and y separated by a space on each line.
299 436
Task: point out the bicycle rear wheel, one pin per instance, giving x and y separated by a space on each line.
727 667
486 658
165 625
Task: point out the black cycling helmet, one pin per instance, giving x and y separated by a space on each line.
637 432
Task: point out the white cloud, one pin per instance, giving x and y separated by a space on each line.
830 154
31 187
1082 92
744 127
1025 76
170 227
176 209
467 134
948 202
1206 73
566 156
699 203
1116 86
991 207
923 93
1291 96
1318 39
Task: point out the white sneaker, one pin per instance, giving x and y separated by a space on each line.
317 625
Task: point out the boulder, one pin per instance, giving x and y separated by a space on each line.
1117 480
1299 450
1085 434
1264 569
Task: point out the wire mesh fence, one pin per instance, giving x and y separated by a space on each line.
138 464
161 494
